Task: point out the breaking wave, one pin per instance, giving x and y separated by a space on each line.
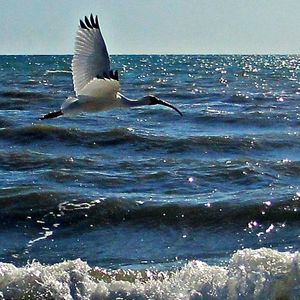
250 274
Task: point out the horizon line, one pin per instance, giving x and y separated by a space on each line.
157 54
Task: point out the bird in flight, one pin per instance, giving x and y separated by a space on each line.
96 85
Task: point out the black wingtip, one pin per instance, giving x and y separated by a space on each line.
116 75
90 23
87 22
93 22
105 75
97 23
82 25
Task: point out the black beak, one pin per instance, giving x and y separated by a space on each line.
158 101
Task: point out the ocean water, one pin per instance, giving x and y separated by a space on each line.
143 203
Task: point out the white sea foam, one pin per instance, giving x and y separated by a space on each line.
250 274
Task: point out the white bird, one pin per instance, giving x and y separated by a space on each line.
96 86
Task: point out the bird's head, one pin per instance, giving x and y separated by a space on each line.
152 100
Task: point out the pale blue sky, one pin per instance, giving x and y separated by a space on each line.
153 26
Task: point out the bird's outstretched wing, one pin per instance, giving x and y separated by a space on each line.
101 88
91 58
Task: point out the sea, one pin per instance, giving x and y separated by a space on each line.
146 204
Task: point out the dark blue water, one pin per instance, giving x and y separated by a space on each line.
145 187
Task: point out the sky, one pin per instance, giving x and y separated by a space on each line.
154 26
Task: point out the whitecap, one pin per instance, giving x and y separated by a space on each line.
250 274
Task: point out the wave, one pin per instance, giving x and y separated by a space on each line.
227 143
29 160
251 119
20 100
250 274
21 204
221 169
26 95
4 122
45 133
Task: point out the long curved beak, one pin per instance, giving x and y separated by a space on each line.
169 105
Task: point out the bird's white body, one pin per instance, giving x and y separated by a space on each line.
97 95
96 86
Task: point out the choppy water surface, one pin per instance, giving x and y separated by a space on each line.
146 189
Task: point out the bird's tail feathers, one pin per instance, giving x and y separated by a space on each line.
52 114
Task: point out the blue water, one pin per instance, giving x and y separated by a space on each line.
146 188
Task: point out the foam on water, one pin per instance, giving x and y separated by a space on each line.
250 274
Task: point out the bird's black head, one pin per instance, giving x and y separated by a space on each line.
154 100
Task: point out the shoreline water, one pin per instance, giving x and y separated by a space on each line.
142 189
